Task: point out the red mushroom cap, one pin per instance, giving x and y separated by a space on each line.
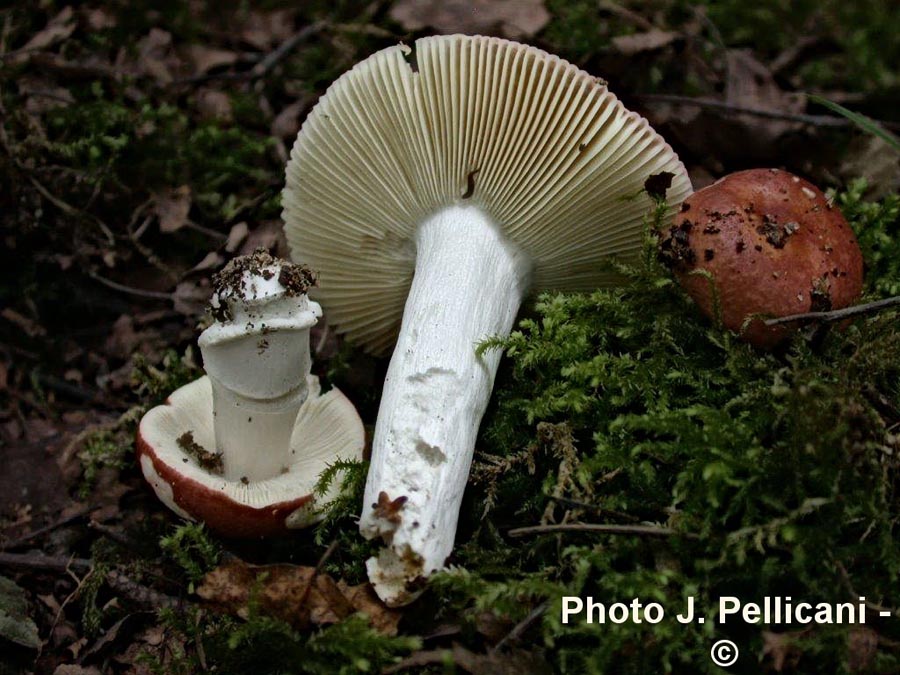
327 428
771 243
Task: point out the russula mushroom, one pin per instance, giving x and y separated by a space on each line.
766 243
242 448
432 199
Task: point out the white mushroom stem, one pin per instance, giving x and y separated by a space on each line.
468 285
257 358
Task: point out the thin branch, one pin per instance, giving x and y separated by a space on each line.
265 64
812 120
156 295
837 314
44 563
62 522
523 625
639 530
271 60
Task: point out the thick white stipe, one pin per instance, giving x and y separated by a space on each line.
468 285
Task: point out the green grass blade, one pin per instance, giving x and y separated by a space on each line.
865 123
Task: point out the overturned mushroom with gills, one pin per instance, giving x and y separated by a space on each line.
242 448
432 200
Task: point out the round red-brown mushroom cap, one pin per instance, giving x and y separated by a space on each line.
771 243
539 145
328 428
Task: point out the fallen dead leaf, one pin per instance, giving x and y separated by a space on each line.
295 594
862 647
96 19
263 30
210 261
781 648
872 158
513 18
74 669
214 105
268 235
236 236
203 59
172 208
287 123
364 599
155 56
30 327
190 297
57 29
649 41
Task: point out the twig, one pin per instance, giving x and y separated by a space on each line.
138 594
594 507
837 314
263 67
62 522
156 295
43 563
116 579
640 530
522 626
332 547
70 210
812 120
626 14
265 64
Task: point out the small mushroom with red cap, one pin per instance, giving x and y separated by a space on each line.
242 448
763 243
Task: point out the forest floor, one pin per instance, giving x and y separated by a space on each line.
143 145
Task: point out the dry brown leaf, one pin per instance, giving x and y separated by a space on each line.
172 207
57 29
364 599
649 41
781 648
872 158
270 236
287 123
297 595
97 19
42 95
190 297
512 18
205 59
862 647
236 236
210 261
30 327
155 56
214 105
264 30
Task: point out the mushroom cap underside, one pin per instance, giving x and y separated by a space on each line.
328 428
542 147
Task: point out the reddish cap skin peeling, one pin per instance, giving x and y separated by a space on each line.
772 244
221 514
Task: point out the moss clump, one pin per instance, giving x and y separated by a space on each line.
777 472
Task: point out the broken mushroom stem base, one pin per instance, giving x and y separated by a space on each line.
469 283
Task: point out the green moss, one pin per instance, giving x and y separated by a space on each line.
192 548
777 471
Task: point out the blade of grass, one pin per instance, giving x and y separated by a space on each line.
863 122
